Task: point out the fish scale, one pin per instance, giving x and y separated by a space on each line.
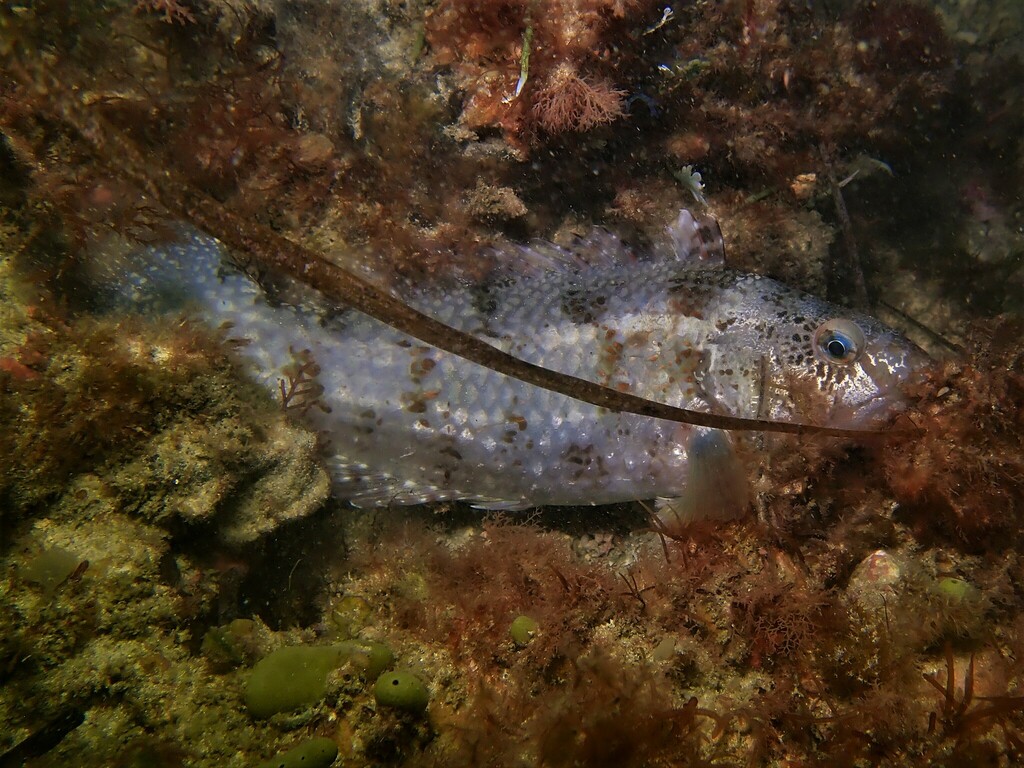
406 423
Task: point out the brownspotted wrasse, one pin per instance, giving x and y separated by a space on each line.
406 423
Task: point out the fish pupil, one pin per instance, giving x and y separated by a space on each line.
836 348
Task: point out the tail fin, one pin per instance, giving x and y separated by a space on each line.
154 278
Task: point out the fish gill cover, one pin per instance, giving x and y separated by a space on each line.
168 523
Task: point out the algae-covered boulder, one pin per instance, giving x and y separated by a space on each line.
250 476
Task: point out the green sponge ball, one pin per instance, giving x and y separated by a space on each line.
315 753
402 690
291 678
956 590
523 630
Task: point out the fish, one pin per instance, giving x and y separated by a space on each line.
405 423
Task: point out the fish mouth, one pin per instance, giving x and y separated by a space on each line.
891 373
873 412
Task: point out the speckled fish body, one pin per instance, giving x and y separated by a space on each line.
406 423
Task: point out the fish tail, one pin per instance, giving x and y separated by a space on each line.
156 278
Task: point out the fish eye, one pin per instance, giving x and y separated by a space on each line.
838 341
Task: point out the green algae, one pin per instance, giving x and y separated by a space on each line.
230 646
372 658
348 616
954 589
50 568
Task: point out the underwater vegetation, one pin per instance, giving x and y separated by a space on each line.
968 482
166 530
531 67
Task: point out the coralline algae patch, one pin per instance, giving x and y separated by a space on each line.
112 458
148 417
671 661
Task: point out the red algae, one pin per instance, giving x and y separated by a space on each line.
580 692
964 479
535 65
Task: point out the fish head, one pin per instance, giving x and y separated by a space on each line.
857 366
797 358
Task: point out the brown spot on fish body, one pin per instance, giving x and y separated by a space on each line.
638 338
686 305
576 454
576 307
416 402
420 368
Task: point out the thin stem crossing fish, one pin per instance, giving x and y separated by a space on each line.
407 423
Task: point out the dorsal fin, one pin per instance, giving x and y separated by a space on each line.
508 263
696 241
692 242
598 247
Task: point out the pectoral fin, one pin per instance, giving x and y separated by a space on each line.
716 486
